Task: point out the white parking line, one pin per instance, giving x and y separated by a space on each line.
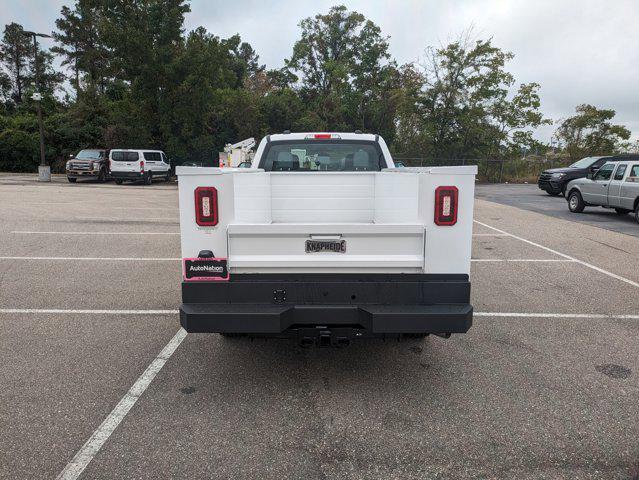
520 260
597 316
88 312
28 232
168 259
93 445
175 312
489 235
95 259
568 257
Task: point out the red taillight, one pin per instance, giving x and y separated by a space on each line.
322 135
206 206
141 165
446 205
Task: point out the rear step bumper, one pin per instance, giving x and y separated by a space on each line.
329 308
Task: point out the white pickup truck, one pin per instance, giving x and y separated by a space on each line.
324 240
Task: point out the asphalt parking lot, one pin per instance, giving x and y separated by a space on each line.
530 197
98 379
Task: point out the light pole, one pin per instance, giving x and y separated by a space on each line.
44 170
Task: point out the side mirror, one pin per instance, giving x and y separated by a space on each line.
590 176
593 169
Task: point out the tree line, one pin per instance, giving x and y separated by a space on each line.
133 77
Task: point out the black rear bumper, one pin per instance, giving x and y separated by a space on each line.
319 305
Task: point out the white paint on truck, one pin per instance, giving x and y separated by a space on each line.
324 240
386 217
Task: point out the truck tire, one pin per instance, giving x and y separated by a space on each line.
637 213
622 211
576 202
553 193
102 175
72 180
118 181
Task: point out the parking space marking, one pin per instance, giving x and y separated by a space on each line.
175 312
489 235
27 232
93 445
168 259
520 260
95 259
594 316
88 311
568 257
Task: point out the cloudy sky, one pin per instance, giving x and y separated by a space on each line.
580 51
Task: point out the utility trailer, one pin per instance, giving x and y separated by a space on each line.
325 241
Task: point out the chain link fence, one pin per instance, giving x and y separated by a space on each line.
493 170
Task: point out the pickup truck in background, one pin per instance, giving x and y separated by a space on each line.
324 240
554 180
615 185
90 163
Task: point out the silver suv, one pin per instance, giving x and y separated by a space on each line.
615 185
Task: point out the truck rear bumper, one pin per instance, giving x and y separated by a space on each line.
333 307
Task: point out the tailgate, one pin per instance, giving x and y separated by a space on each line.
280 247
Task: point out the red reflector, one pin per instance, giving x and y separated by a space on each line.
446 205
206 206
322 135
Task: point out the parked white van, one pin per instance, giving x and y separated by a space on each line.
138 165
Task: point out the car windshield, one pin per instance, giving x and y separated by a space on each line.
321 155
89 155
584 162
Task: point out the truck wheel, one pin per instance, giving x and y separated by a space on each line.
72 180
102 175
148 178
118 181
168 177
637 213
576 202
622 211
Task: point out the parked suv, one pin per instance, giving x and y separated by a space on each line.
88 163
615 185
139 165
554 180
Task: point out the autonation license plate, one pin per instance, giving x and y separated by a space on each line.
205 269
316 246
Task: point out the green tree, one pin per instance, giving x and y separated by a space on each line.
460 103
80 44
591 132
342 63
16 53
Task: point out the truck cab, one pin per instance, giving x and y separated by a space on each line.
324 240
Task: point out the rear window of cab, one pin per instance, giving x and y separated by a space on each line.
317 156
